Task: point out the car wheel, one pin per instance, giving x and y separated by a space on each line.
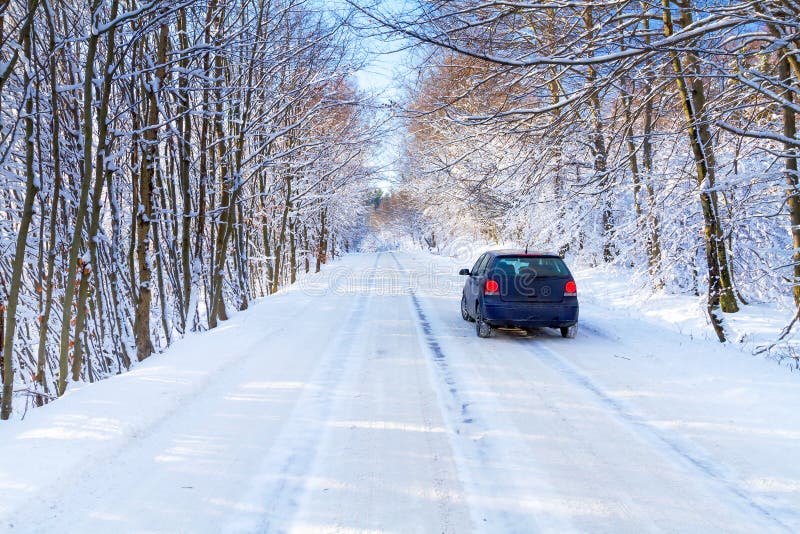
482 328
569 331
464 311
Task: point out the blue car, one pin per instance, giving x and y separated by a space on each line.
515 288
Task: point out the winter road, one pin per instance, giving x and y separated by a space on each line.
360 401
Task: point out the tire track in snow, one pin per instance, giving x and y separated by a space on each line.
477 451
683 450
281 481
439 358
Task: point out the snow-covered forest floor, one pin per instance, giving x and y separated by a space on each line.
358 400
755 327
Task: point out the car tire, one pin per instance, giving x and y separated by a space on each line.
482 328
569 332
464 311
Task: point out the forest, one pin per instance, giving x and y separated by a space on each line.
164 163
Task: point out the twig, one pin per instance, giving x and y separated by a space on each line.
785 332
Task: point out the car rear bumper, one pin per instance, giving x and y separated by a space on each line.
525 315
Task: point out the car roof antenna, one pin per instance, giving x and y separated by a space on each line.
526 248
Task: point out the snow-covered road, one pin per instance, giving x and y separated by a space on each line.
360 401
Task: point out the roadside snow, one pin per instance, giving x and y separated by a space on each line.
616 296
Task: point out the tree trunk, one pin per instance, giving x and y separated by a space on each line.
185 164
141 331
720 292
322 247
114 275
601 174
220 256
653 222
242 257
55 141
633 160
227 182
162 293
103 146
31 189
282 237
292 248
80 215
791 176
306 248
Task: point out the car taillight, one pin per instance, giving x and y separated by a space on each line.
491 288
571 290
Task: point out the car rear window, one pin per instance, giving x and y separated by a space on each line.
539 267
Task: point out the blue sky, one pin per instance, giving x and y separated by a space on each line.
387 64
388 59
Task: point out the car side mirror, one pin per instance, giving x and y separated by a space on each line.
463 272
